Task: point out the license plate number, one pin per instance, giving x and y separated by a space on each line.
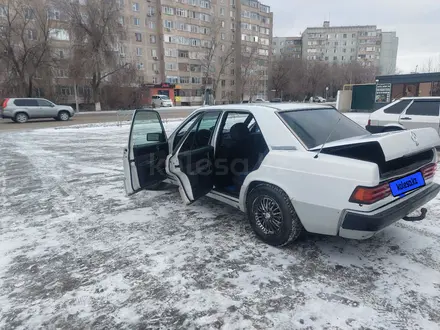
406 184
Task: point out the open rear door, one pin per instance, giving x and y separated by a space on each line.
146 153
193 160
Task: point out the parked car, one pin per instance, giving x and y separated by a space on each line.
319 99
21 110
289 167
161 101
260 100
406 113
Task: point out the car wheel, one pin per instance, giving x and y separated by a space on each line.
63 116
21 117
272 216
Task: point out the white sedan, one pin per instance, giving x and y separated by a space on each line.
289 167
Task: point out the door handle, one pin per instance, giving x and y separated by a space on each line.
406 118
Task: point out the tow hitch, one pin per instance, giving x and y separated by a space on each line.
422 216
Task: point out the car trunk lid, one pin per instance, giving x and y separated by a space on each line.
395 153
393 144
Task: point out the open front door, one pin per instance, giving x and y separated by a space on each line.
193 160
146 153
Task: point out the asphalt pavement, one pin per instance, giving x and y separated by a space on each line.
7 125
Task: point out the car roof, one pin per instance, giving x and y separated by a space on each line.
274 107
420 98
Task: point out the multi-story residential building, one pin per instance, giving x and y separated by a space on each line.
254 36
287 46
191 45
343 44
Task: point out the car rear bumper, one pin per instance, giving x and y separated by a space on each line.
377 220
374 129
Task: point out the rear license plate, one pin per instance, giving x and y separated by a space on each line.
406 184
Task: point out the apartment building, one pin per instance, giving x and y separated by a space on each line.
177 42
287 46
191 45
342 44
254 35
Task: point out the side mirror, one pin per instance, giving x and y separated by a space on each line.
155 137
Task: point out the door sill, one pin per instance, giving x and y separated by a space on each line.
225 195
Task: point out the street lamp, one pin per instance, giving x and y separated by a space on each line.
326 93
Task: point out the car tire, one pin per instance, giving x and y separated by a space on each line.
63 116
272 215
21 117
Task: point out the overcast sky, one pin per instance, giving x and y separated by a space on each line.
417 23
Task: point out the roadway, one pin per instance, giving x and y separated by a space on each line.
7 125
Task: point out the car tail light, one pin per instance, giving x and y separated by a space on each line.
369 122
5 103
370 195
429 171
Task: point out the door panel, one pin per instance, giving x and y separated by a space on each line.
197 165
192 162
145 156
46 109
421 114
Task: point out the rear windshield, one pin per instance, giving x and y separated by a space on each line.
314 126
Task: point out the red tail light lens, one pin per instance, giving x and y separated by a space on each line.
369 122
370 195
5 103
429 171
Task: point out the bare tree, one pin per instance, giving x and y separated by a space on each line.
217 56
281 73
96 33
251 73
24 44
431 65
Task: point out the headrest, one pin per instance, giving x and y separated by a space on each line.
239 132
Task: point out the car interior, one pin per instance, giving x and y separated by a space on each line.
240 150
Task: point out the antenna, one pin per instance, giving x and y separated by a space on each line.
328 137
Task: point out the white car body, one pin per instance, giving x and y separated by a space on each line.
406 113
319 187
161 101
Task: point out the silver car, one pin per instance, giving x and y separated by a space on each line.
21 110
161 101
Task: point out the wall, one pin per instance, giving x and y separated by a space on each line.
343 100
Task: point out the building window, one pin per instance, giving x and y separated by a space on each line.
153 53
196 80
154 80
136 6
335 58
140 66
59 34
136 21
32 34
138 36
171 66
151 25
184 80
152 39
54 14
139 51
222 11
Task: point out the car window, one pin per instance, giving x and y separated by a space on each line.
398 107
44 103
313 127
182 131
26 103
201 136
146 128
234 118
424 108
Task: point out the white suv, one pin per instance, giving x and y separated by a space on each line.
406 113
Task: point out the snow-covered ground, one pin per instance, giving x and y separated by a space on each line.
76 253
